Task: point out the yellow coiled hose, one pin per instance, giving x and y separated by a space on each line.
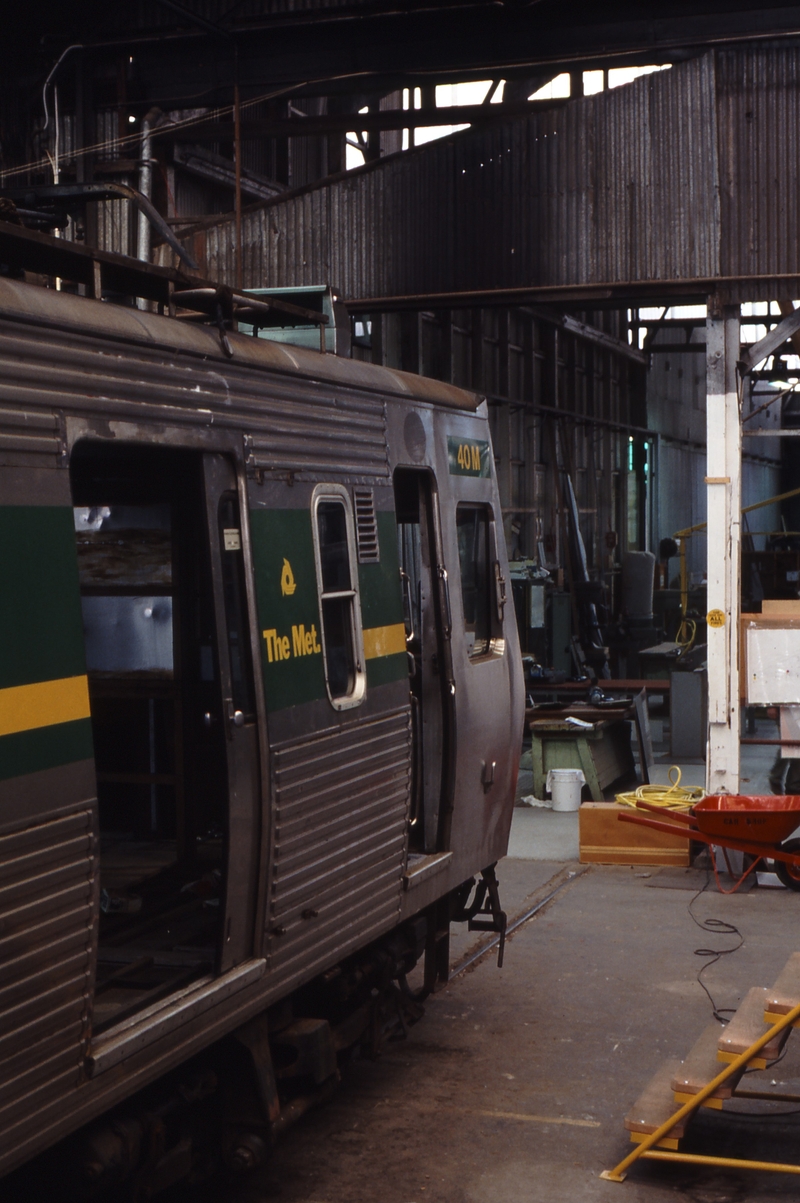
687 633
674 797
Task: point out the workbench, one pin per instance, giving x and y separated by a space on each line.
602 750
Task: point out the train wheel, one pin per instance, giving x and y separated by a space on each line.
789 874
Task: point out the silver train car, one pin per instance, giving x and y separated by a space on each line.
261 705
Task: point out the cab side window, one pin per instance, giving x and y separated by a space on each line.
340 607
473 526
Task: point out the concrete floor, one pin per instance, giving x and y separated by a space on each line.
513 1087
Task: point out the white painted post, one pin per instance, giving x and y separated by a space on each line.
723 481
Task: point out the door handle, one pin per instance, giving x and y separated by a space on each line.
499 590
235 717
444 584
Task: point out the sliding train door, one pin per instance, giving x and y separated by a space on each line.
161 558
236 702
425 588
487 669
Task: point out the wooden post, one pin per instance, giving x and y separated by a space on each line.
723 482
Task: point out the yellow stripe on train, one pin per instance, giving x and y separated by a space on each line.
26 707
384 641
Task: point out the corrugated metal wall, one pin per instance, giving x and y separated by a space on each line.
758 106
688 172
618 186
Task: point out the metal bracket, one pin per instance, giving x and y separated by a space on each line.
485 912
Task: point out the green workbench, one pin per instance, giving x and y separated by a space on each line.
603 750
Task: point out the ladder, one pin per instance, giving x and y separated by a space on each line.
754 1039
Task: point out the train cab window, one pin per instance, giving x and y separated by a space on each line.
475 561
340 608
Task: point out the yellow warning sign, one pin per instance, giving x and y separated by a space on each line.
287 580
715 618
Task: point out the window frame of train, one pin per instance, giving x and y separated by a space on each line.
337 495
489 586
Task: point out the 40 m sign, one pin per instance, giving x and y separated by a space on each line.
468 457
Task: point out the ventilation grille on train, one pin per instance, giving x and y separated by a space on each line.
341 807
46 917
366 527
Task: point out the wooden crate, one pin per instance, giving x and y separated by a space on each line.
606 841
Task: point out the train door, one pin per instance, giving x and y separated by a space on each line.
160 557
426 603
486 663
235 699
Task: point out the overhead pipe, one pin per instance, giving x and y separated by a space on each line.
66 195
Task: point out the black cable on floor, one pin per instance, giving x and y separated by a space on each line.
760 1114
771 1065
717 927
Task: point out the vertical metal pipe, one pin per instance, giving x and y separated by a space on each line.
723 483
56 139
146 188
237 152
55 158
146 183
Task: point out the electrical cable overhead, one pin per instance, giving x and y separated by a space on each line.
216 114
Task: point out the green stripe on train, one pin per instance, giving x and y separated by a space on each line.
45 748
41 629
288 605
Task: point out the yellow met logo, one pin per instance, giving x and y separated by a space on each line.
288 585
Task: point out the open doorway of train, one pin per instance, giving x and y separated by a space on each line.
160 559
420 566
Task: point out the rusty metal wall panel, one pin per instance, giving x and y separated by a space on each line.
341 805
47 889
614 187
758 93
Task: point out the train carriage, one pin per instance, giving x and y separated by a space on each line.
260 704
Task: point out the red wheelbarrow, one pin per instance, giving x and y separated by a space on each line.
756 824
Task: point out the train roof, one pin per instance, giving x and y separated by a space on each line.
34 304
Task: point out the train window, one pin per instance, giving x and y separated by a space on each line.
125 566
340 607
473 528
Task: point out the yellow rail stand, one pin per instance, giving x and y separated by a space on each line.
646 1147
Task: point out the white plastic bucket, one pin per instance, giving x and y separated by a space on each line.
565 787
